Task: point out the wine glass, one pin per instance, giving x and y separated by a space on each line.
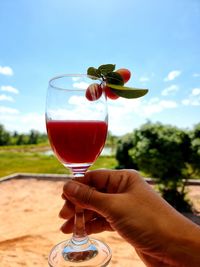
77 129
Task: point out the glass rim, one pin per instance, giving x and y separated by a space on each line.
70 75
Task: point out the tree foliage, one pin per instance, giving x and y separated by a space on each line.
195 147
15 138
4 136
122 153
166 153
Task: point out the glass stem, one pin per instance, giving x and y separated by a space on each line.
79 237
79 233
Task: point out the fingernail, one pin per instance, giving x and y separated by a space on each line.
71 188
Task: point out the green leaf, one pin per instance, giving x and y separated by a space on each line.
114 78
91 71
106 68
127 92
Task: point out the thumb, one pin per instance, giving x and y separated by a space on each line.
85 195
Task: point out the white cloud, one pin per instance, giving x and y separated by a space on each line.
171 89
75 79
4 111
33 121
81 85
77 100
9 89
6 70
196 91
78 109
172 75
196 74
6 98
125 115
156 106
13 120
193 99
144 79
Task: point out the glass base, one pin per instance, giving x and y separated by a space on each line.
65 254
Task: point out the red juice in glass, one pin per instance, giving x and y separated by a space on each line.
77 141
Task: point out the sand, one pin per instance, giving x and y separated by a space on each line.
29 224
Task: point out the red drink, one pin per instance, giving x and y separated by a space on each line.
77 142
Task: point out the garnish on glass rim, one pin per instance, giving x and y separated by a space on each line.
112 83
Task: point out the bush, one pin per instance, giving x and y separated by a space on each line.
163 152
122 153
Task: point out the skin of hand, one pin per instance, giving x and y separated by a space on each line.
122 201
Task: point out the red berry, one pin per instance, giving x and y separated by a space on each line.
93 92
125 74
110 93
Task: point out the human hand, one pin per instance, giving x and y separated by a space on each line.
121 200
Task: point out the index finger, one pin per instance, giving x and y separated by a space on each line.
110 181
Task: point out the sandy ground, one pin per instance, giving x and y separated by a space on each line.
29 224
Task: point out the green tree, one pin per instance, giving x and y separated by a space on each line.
21 139
163 152
33 137
5 137
123 156
195 148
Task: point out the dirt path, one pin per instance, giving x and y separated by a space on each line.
29 224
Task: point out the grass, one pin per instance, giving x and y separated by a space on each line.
31 159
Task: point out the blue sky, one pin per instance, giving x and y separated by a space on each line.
157 40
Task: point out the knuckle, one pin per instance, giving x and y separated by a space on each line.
87 196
